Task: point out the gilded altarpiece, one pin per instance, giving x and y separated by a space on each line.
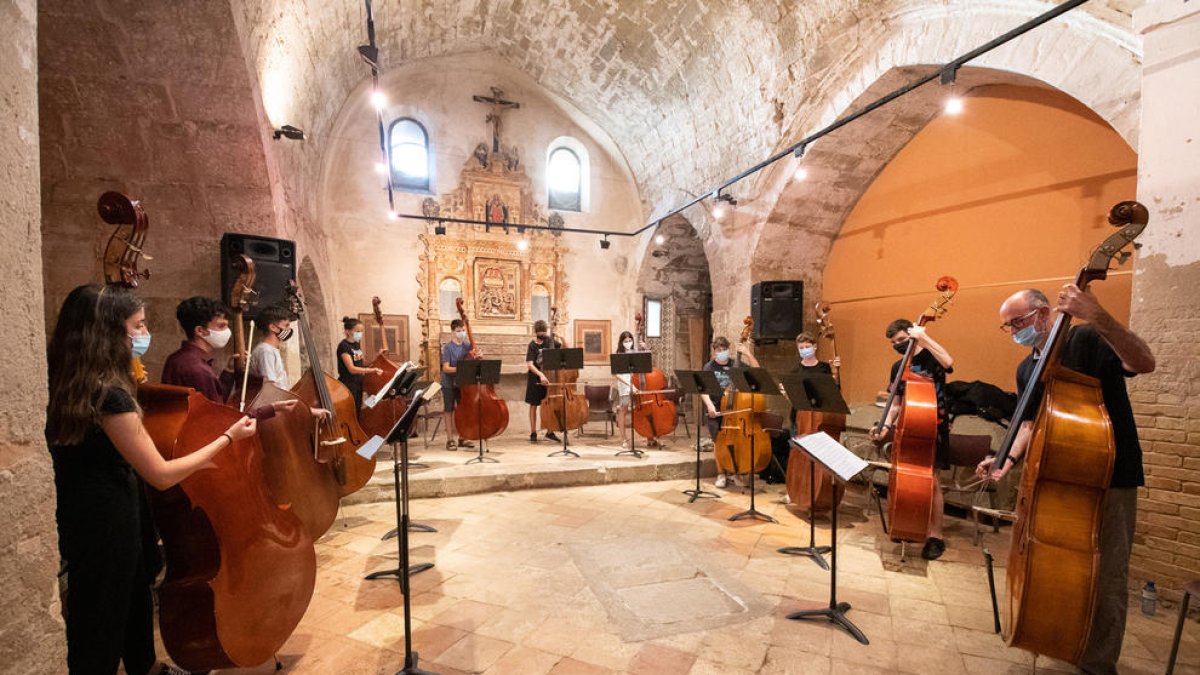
498 279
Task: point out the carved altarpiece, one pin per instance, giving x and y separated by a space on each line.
496 277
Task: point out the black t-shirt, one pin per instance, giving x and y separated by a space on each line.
1087 352
534 353
926 365
356 356
820 367
721 371
96 450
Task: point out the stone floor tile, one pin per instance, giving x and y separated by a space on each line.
569 666
989 645
524 660
880 653
923 633
474 653
654 659
467 615
786 661
432 640
979 665
923 660
385 630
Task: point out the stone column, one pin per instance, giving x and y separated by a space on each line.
1166 307
31 629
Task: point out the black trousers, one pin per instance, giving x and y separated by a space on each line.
110 561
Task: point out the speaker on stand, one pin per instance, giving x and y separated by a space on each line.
777 308
274 266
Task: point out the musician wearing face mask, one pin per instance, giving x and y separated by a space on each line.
722 361
453 351
535 386
930 359
350 360
274 325
141 345
806 347
1107 350
625 387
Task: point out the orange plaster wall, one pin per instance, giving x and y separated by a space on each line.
1010 194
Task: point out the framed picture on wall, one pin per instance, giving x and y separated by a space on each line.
653 317
595 337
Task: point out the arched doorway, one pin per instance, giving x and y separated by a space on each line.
676 272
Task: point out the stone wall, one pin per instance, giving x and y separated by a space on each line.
1166 309
31 629
681 272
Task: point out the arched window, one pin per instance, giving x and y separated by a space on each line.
541 302
410 154
448 292
567 175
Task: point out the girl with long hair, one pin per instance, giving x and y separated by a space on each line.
100 449
350 361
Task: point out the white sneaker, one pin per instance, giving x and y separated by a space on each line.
721 480
785 499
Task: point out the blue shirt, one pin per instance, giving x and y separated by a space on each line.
451 354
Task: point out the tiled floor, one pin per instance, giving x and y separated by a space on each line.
506 596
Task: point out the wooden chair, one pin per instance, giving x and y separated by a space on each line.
599 399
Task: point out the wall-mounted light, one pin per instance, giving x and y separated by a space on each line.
605 243
522 244
439 229
290 132
378 99
725 201
801 174
954 105
392 215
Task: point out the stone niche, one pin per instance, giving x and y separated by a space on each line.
504 288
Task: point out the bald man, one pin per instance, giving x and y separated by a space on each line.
1107 350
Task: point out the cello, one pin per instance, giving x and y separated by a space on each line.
296 476
1054 559
742 433
653 415
480 414
563 408
338 433
912 477
811 487
124 249
240 568
379 420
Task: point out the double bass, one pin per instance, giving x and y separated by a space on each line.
297 477
564 408
339 434
1054 559
653 415
240 568
812 488
480 414
124 249
379 420
742 433
913 478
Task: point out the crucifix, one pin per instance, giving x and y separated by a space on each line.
498 104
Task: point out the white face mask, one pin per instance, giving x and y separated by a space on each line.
628 344
217 339
358 336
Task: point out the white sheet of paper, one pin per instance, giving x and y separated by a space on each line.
368 449
835 456
374 399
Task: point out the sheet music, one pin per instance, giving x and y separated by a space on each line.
368 449
833 455
374 399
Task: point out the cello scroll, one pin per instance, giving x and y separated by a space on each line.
124 248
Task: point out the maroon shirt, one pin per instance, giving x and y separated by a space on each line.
192 367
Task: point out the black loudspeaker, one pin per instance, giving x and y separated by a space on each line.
274 266
777 308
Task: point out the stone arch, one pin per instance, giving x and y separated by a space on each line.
677 270
318 314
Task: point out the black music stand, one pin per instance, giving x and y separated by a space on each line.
835 613
817 392
630 363
753 381
697 383
562 359
396 391
400 479
478 372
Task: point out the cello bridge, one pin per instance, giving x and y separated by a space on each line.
336 441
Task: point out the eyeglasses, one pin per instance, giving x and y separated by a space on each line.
1019 322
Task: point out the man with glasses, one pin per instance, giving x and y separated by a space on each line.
1107 350
930 360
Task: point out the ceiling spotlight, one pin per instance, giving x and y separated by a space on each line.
954 105
605 243
392 215
380 167
659 239
720 210
290 132
801 174
439 229
378 99
522 244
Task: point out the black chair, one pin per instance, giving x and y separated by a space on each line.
599 399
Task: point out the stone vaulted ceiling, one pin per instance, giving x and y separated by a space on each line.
690 90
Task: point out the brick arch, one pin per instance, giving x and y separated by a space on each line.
679 271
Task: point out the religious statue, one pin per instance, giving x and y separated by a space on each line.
497 212
556 222
481 155
498 104
430 207
512 159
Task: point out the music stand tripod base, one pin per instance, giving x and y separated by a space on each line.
412 569
752 512
835 615
412 527
698 382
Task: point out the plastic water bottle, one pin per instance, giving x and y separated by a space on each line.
1149 598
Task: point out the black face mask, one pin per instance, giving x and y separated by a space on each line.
284 334
540 338
900 347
